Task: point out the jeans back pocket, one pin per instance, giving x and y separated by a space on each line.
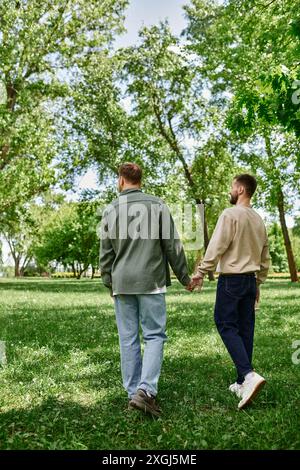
236 286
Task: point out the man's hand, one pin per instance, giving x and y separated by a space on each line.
196 281
257 298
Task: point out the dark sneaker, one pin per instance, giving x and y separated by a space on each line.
145 402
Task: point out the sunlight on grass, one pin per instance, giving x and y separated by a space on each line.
61 388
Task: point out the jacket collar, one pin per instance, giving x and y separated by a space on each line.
127 191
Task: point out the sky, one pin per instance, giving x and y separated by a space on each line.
148 12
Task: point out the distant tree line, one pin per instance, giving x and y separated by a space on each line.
193 111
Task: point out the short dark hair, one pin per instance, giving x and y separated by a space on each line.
248 181
131 172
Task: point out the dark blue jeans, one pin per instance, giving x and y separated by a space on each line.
235 318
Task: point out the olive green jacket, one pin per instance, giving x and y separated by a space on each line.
138 242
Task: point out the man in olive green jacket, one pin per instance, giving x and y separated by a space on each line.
138 241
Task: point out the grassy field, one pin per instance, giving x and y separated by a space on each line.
61 388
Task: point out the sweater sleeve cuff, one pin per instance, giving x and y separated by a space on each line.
202 272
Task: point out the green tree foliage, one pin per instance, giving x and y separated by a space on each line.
100 113
145 104
20 234
296 241
247 42
22 230
296 247
69 237
43 48
277 249
1 255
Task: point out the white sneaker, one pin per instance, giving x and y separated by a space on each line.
236 388
250 388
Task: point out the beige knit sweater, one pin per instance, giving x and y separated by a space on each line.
238 245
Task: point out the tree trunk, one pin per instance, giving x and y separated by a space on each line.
74 270
286 238
93 272
24 265
11 102
17 267
205 235
281 210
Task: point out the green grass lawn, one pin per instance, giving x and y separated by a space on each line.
61 388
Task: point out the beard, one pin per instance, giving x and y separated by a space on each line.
233 199
120 187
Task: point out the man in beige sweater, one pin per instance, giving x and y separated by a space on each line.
238 250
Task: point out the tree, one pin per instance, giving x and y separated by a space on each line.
296 248
43 47
1 255
142 104
21 228
100 116
69 237
20 234
242 42
296 241
277 249
247 40
273 155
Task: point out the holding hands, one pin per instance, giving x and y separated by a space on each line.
196 281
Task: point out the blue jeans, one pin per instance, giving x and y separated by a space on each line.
235 318
149 310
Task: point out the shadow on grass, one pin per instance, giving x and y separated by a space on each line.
56 424
54 285
193 388
84 326
193 394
